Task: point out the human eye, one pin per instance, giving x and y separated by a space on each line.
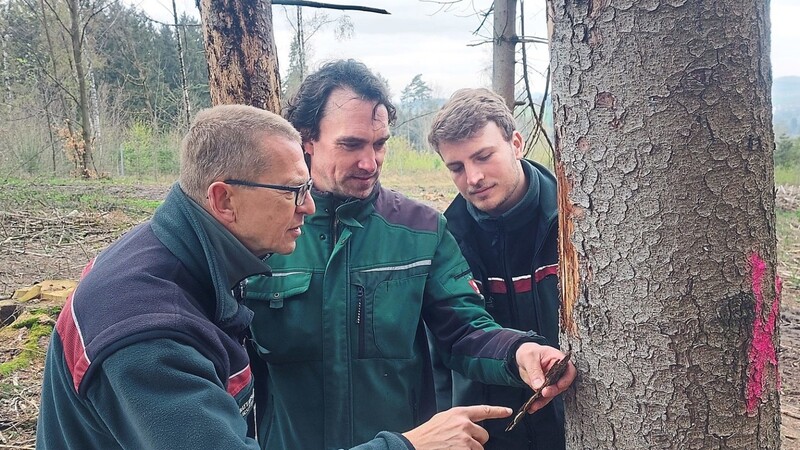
484 157
455 168
350 145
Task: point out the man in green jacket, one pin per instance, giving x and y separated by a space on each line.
149 351
505 220
341 323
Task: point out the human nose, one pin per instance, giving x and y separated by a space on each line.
368 161
474 176
308 207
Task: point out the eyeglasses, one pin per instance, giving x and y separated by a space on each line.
299 191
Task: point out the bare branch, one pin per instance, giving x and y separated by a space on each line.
529 40
89 19
171 25
539 128
55 14
484 19
311 4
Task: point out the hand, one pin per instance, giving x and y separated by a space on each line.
455 428
533 361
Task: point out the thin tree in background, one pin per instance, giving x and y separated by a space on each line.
504 50
668 251
187 109
83 146
305 27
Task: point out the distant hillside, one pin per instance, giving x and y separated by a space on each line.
786 106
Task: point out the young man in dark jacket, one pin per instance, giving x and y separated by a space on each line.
341 323
149 351
506 223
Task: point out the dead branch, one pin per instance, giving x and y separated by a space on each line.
311 4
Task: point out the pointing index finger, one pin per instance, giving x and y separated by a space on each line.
478 413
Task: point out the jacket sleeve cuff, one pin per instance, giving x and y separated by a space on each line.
511 356
405 441
386 440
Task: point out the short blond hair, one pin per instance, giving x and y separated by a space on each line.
227 141
467 112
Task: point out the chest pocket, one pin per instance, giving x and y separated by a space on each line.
388 309
287 322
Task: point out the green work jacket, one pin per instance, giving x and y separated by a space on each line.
340 324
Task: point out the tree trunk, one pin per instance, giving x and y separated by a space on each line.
94 104
503 61
187 110
6 70
84 156
664 145
242 59
59 89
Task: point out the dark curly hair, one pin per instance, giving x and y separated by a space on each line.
305 110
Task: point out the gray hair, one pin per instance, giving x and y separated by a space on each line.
227 141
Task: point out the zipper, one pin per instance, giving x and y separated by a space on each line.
360 320
242 288
461 275
511 294
414 407
334 231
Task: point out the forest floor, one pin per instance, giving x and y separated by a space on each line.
50 231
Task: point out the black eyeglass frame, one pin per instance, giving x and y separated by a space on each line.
299 199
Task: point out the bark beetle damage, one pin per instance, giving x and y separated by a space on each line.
568 277
762 347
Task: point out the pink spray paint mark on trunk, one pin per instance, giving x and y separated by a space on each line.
762 348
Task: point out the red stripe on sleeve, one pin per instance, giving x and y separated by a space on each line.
239 381
71 339
542 272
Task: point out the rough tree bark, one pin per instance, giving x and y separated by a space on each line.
241 54
664 146
504 43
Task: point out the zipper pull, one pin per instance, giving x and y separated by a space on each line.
359 303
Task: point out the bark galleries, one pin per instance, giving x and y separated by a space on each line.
242 60
664 140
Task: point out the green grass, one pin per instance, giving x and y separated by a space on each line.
30 348
787 175
787 228
64 194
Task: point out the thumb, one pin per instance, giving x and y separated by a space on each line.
535 375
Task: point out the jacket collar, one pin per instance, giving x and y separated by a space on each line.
464 228
208 250
349 211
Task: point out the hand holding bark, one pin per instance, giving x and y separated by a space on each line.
533 360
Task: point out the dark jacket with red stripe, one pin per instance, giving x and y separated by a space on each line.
148 353
515 259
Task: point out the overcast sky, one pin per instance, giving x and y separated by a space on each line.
420 37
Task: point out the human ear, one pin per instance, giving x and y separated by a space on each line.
221 204
308 148
518 144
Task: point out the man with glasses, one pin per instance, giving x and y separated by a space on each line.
341 323
149 351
